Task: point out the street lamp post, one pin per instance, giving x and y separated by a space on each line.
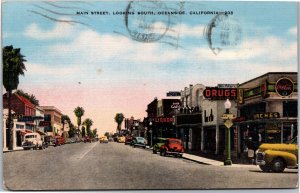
227 117
150 124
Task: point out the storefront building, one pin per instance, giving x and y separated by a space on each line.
189 117
23 119
267 110
52 120
160 120
214 132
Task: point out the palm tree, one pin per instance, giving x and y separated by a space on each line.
13 66
119 119
79 112
88 123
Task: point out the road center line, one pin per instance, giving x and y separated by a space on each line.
87 151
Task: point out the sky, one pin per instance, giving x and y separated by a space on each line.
103 63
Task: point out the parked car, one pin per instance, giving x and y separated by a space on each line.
139 141
128 139
103 139
59 141
277 157
73 140
49 141
115 137
32 140
121 139
68 141
172 146
87 139
159 142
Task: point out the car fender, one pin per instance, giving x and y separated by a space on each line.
164 147
289 158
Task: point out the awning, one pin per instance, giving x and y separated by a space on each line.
278 120
24 131
40 132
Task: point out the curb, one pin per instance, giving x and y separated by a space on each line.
199 162
8 151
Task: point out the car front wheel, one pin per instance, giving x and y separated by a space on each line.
277 165
163 152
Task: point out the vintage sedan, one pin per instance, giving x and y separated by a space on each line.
172 146
59 141
139 141
87 139
103 139
121 139
128 139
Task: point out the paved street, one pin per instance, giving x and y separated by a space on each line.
116 166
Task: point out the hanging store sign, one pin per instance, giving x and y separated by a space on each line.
215 93
266 115
227 85
163 120
175 105
173 93
45 124
284 87
240 96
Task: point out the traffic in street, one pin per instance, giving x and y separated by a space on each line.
115 166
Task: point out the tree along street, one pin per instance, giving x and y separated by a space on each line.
83 166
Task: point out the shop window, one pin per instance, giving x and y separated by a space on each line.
47 117
290 108
19 126
249 110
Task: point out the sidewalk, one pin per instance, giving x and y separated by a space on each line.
207 159
16 149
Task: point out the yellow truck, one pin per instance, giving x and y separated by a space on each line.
277 157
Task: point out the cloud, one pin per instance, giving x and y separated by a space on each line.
93 47
271 49
293 31
189 31
60 30
50 70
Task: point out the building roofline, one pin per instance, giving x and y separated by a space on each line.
51 108
267 74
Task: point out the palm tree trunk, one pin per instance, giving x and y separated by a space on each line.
10 129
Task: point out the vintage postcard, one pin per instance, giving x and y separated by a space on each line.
149 95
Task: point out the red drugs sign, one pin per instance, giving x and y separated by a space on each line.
216 93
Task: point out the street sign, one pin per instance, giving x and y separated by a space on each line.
228 116
228 123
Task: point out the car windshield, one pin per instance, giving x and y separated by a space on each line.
294 141
29 136
161 140
174 142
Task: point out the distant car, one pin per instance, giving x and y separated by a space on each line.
159 142
115 138
73 140
87 139
103 139
49 141
128 139
121 139
59 141
172 146
68 141
139 141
